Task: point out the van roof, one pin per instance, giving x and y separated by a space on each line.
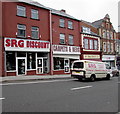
88 61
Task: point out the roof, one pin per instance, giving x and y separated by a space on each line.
97 23
31 2
64 14
89 23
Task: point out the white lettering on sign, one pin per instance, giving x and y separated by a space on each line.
61 49
27 45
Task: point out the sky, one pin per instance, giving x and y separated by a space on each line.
88 10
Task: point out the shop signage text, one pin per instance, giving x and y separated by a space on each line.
91 56
17 44
61 49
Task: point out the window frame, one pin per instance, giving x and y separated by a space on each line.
19 9
33 30
34 14
62 23
62 38
70 24
71 39
19 28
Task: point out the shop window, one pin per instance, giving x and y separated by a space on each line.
21 30
34 14
31 61
21 11
58 63
62 23
10 61
35 32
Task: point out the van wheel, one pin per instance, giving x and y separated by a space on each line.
108 77
92 78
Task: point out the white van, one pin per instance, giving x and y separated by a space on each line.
85 69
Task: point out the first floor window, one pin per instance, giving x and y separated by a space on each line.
95 44
34 14
31 61
86 43
10 61
108 46
62 38
58 63
21 30
35 32
71 40
91 44
111 47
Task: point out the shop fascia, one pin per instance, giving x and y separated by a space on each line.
62 49
13 44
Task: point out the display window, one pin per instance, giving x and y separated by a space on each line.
10 61
31 61
58 63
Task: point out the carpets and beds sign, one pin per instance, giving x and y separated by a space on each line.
62 49
14 44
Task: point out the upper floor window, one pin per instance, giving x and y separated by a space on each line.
62 23
86 30
112 47
34 14
86 43
104 34
111 35
108 35
104 46
35 32
70 24
108 46
21 11
62 38
91 44
71 39
95 44
21 30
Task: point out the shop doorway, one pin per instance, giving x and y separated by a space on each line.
21 65
66 66
39 66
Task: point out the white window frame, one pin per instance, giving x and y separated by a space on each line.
86 43
112 47
34 14
23 27
62 22
95 45
35 32
70 24
108 47
86 30
21 11
91 44
62 38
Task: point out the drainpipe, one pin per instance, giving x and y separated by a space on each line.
51 51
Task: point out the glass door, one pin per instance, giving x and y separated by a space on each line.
39 66
66 66
21 65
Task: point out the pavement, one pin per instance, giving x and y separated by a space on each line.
33 77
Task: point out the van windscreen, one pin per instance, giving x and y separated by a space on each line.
78 65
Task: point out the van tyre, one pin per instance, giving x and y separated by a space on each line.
108 77
92 78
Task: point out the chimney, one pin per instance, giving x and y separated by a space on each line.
62 10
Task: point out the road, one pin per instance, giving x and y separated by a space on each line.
64 95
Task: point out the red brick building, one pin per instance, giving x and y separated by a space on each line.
25 39
90 42
66 41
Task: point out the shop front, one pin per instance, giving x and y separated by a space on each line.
110 59
26 57
63 56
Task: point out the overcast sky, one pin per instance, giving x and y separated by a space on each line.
88 10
